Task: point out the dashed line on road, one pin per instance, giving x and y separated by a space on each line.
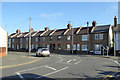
54 72
50 68
78 62
69 61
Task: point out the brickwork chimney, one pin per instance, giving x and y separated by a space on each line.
115 22
18 31
69 26
32 30
94 23
47 28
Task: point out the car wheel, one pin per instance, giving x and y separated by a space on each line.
36 55
48 55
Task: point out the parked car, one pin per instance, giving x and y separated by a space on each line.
43 52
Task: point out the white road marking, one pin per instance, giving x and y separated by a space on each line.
69 61
30 69
60 60
78 62
54 72
74 59
115 62
21 77
65 63
50 67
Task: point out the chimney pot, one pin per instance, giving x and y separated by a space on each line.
115 22
94 23
18 31
69 26
47 28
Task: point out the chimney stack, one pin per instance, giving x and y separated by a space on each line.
69 26
32 30
94 23
18 31
47 28
115 22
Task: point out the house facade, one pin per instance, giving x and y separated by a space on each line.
86 40
3 42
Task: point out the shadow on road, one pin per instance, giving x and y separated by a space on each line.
27 76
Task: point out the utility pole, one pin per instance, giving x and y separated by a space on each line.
72 38
88 37
30 38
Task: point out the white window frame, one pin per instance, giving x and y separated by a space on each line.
26 40
98 47
17 46
36 39
98 36
26 46
20 40
59 37
78 47
74 46
32 46
13 40
43 39
20 46
13 46
68 38
84 37
68 46
84 47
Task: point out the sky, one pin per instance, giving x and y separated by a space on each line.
56 15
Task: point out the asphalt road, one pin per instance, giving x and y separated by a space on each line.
57 66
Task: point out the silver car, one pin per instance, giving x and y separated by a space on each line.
43 52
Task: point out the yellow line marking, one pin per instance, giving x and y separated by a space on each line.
20 64
110 75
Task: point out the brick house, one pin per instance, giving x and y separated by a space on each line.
85 39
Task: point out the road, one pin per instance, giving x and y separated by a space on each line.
59 66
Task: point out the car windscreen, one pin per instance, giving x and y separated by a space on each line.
44 49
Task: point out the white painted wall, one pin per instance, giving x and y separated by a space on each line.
110 43
117 41
3 37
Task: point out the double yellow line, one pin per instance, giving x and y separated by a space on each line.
20 64
110 76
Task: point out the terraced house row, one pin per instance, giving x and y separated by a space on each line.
85 39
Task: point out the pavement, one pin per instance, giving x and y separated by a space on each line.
14 59
59 67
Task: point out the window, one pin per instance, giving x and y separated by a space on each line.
59 46
9 43
21 46
17 46
26 46
84 38
12 40
68 46
20 40
48 46
78 47
13 46
51 38
98 47
98 36
36 39
68 38
74 46
26 40
59 37
32 46
84 47
36 46
43 39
